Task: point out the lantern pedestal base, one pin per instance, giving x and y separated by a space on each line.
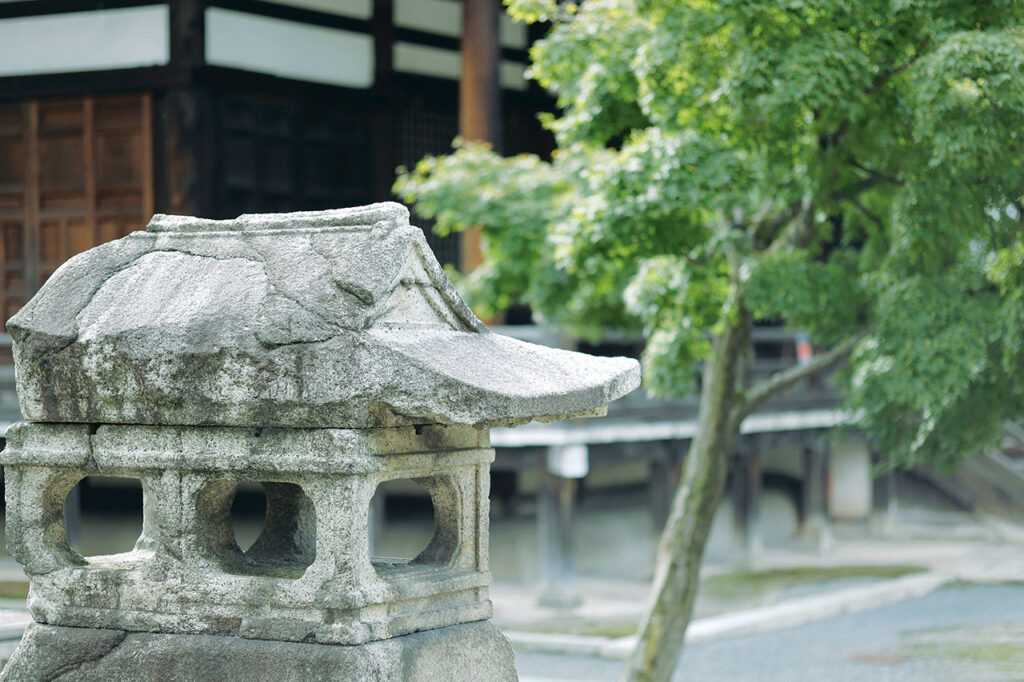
472 652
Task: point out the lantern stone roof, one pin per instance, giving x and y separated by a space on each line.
339 318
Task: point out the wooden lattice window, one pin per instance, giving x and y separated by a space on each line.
73 174
420 133
275 156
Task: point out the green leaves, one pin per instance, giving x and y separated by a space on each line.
841 166
793 286
972 78
533 11
586 61
516 198
931 382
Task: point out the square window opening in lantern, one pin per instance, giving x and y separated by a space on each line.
263 528
413 525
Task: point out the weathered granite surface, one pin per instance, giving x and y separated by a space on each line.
309 577
319 319
317 354
476 652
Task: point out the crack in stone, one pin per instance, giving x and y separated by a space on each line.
77 666
333 328
91 464
279 292
258 257
362 294
116 271
287 344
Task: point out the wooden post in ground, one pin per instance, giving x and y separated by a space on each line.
892 503
562 466
817 531
738 494
745 492
663 479
754 537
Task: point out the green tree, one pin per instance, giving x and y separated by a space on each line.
853 168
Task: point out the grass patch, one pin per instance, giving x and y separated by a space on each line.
755 585
612 629
729 591
976 652
1007 654
13 589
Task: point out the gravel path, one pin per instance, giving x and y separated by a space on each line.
964 632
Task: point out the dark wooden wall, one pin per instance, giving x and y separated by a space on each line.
73 173
85 158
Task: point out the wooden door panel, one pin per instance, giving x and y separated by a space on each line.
119 158
73 174
12 170
61 161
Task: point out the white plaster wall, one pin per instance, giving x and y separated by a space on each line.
427 61
849 481
288 49
442 63
512 75
444 17
359 9
511 33
85 41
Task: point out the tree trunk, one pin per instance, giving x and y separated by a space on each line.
693 509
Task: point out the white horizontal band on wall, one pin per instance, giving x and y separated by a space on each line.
288 49
441 63
85 41
444 17
358 9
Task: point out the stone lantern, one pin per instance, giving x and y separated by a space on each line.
319 354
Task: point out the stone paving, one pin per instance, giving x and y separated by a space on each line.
615 603
958 633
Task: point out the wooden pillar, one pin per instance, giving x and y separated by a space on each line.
188 32
30 252
148 196
89 168
561 468
479 96
479 86
182 154
386 119
382 25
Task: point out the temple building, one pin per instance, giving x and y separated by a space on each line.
113 111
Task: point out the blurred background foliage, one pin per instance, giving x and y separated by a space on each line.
853 169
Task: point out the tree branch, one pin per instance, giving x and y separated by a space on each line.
885 75
800 232
863 209
765 227
780 381
887 177
873 179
